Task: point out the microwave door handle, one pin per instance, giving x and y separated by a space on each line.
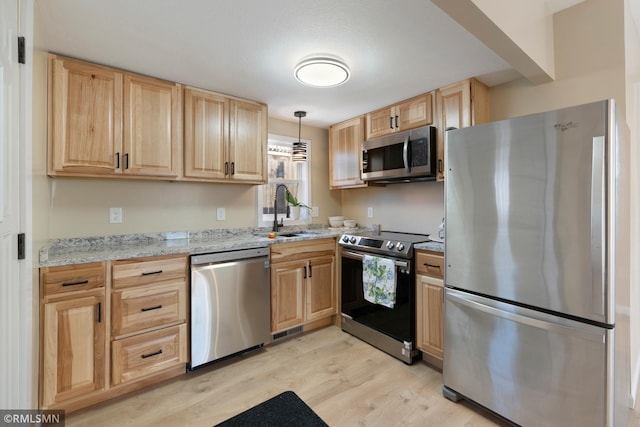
405 154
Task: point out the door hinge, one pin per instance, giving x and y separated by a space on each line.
21 246
21 50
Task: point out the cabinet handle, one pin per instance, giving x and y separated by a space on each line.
226 168
390 122
439 165
99 312
82 282
144 356
156 307
310 271
432 266
118 160
233 168
396 122
305 272
151 272
126 160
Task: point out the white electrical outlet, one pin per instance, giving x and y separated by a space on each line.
369 212
315 211
220 214
115 215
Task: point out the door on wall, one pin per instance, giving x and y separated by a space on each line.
15 368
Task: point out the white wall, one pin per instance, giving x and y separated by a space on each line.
416 207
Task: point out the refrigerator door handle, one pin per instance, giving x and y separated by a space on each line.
598 216
525 316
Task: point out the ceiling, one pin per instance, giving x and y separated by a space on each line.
249 48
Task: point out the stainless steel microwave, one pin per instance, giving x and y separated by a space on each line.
400 157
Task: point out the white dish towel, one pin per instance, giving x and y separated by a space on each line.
379 280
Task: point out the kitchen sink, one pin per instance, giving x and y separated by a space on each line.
298 234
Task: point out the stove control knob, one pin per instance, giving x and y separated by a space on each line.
345 239
352 240
389 245
400 247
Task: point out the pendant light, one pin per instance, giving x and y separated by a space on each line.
299 153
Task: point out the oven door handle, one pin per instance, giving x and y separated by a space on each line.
355 255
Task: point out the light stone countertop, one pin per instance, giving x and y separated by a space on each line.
430 246
105 248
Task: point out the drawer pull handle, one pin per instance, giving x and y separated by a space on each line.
99 312
432 265
151 308
82 282
152 272
144 356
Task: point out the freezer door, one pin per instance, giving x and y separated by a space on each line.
526 210
532 368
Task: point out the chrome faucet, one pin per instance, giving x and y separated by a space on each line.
275 207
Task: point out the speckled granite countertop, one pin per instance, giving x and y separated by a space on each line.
105 248
430 246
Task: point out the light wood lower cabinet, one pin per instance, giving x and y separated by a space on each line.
141 302
303 285
430 305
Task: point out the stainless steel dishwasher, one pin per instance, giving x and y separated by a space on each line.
230 303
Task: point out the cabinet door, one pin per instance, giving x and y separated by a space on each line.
248 142
287 294
430 298
206 134
152 126
381 122
415 112
73 349
85 118
320 288
459 105
345 154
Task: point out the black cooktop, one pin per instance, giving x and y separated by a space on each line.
398 236
393 243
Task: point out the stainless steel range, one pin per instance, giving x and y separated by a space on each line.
378 290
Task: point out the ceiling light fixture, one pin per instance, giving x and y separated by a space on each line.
299 153
322 71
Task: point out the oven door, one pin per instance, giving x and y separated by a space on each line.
397 322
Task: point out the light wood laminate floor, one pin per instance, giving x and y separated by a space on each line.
344 380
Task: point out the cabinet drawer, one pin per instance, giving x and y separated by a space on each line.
143 271
69 278
431 263
148 353
143 307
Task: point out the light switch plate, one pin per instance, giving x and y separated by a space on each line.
314 211
115 215
369 212
220 214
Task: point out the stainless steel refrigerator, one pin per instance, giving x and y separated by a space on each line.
530 254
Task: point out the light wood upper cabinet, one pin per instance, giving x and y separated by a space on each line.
225 138
406 115
248 141
345 154
152 126
459 105
85 118
107 122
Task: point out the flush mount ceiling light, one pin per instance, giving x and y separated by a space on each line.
322 72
